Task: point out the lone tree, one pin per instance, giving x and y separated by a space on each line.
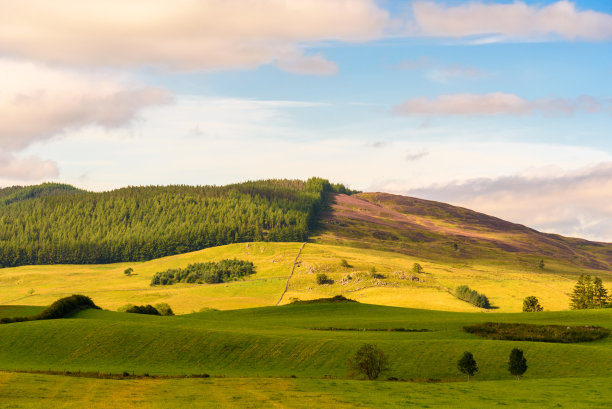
128 271
467 364
416 268
517 365
531 304
542 265
369 361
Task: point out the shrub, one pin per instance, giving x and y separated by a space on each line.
61 308
128 271
416 268
142 309
164 309
369 361
537 333
531 304
345 264
463 292
210 273
322 278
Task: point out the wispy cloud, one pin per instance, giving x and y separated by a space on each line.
515 21
499 104
439 72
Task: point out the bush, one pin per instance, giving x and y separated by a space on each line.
164 309
142 309
322 278
369 361
128 271
210 273
531 304
464 293
537 333
416 268
335 299
61 308
345 264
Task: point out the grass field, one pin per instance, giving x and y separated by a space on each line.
43 391
505 285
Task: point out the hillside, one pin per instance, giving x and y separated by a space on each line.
439 231
58 224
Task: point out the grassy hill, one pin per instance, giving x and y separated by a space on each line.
393 283
439 231
279 342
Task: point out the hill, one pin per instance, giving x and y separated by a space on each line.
439 231
58 224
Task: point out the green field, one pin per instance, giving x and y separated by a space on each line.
42 391
252 355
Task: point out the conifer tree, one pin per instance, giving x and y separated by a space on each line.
600 294
517 365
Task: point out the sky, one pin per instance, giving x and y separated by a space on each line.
504 107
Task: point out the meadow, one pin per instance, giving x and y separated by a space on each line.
393 282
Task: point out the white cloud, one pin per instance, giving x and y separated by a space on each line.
185 35
574 203
39 102
499 104
516 20
26 169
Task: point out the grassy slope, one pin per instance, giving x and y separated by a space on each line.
278 341
506 286
44 391
430 229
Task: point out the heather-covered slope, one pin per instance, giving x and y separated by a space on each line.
439 231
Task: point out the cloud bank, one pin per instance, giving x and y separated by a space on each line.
515 21
186 35
500 104
576 203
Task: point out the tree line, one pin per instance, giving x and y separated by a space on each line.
59 224
210 273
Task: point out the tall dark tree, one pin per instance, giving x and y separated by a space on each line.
583 290
467 365
517 365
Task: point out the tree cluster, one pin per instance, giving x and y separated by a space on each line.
589 293
463 292
59 224
517 364
210 273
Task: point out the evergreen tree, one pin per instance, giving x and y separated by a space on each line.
517 365
600 294
467 364
579 297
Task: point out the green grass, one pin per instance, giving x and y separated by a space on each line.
19 390
279 341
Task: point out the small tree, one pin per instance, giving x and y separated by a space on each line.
322 279
345 264
416 268
128 271
517 365
542 265
369 361
531 304
467 364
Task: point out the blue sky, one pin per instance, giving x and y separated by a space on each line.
501 106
